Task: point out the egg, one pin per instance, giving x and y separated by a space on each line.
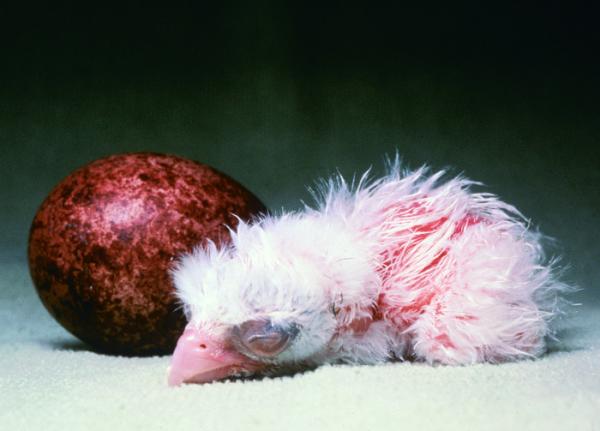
102 244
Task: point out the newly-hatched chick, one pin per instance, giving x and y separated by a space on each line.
405 267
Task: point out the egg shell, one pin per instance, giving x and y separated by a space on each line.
103 241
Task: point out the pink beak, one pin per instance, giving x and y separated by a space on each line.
199 358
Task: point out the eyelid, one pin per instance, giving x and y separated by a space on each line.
258 337
263 339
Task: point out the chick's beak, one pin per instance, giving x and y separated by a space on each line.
199 358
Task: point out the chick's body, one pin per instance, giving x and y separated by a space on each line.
406 267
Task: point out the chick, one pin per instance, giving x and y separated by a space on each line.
407 267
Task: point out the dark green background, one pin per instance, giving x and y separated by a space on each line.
278 95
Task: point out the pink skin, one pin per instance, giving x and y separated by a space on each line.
199 358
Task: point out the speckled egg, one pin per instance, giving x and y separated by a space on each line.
102 243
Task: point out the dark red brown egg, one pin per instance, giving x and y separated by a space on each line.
102 243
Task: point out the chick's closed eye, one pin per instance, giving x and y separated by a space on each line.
261 338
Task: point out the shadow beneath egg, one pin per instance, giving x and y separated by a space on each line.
70 345
75 345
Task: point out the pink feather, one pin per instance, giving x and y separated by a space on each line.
463 278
